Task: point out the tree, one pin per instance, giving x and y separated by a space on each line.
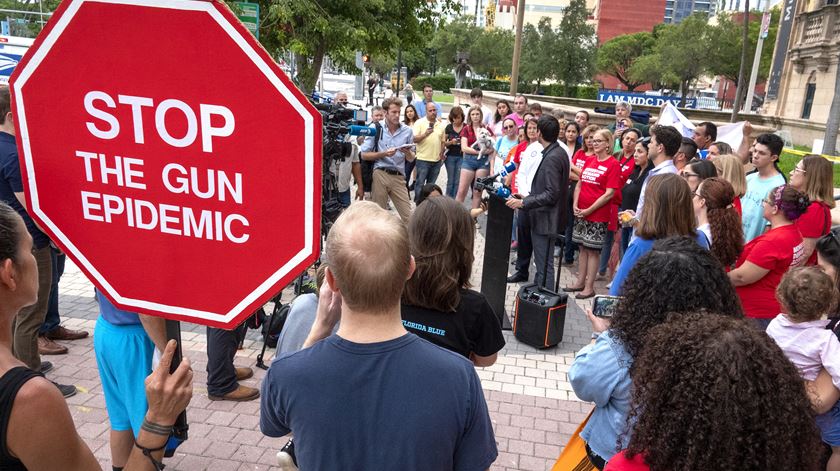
617 56
539 46
490 50
574 56
339 28
679 55
726 47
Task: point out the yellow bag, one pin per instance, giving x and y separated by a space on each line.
573 457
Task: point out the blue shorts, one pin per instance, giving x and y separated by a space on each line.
829 424
124 357
472 164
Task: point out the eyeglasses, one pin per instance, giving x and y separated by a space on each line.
798 170
598 141
769 202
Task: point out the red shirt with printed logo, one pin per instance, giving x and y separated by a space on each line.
595 178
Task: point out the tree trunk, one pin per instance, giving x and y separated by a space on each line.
739 91
309 68
830 140
683 90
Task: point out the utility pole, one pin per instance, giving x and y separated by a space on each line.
765 29
739 93
517 47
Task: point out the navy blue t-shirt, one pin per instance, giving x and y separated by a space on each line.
402 404
11 183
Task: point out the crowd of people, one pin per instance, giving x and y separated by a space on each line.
722 353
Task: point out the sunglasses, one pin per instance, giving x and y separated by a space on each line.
509 127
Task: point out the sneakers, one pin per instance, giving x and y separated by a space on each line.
240 394
46 367
62 333
49 347
286 457
244 373
67 390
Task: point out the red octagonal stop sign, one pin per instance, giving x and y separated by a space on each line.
167 154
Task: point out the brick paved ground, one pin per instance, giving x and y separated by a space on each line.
531 403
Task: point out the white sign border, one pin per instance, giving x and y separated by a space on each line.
309 157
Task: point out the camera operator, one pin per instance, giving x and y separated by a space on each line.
343 169
540 211
393 147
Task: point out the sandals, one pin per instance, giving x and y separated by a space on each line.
571 289
585 296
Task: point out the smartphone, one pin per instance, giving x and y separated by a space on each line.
605 306
431 125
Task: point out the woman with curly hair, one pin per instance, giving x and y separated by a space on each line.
437 303
769 256
676 276
814 176
671 215
718 220
713 393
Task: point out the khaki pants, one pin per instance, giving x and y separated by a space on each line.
390 186
29 319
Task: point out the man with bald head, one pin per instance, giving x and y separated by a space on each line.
430 135
372 395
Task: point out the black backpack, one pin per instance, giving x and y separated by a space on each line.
271 329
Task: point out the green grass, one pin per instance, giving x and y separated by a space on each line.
787 161
443 97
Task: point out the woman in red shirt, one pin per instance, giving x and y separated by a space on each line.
769 256
627 163
599 181
474 164
713 393
814 176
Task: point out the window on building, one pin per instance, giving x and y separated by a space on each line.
810 90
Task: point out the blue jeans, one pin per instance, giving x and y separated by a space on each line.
344 198
453 174
53 320
626 234
427 172
606 250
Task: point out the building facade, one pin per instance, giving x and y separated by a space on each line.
677 10
806 86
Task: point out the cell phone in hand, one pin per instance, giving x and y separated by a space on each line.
605 306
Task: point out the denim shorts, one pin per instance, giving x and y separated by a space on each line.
829 424
472 164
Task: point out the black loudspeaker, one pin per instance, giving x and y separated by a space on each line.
540 316
497 257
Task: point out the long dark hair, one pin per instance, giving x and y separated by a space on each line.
677 275
828 248
724 221
441 236
405 118
695 402
497 117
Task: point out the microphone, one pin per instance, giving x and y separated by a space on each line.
357 130
505 171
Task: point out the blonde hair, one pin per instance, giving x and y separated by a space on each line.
369 257
607 137
731 168
587 130
819 179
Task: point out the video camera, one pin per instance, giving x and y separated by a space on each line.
338 120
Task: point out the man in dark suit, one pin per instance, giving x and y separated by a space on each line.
542 211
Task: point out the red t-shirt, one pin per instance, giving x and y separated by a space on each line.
595 179
515 156
626 163
737 204
469 133
815 223
579 159
776 250
620 462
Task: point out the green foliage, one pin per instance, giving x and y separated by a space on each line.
725 52
574 56
338 28
618 56
490 51
539 48
444 82
585 92
27 25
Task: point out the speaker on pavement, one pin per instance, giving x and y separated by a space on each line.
497 256
540 316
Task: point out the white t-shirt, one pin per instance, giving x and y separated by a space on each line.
529 162
706 229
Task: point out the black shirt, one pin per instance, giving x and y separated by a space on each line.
473 327
11 182
455 149
632 189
